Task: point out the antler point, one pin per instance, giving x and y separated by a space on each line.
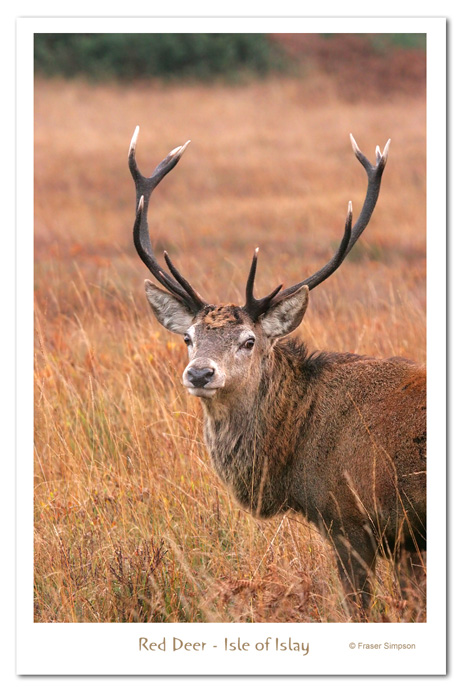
134 138
356 150
179 150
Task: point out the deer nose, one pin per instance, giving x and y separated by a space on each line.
200 377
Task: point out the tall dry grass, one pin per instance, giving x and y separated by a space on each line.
131 522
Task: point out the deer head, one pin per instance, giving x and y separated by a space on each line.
227 343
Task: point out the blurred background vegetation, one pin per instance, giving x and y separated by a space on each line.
131 523
202 57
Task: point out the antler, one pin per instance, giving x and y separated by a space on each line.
174 283
256 307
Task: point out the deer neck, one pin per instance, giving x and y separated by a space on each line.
252 439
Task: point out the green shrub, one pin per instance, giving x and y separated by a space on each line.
386 42
130 56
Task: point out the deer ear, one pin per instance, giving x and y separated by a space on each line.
169 311
285 316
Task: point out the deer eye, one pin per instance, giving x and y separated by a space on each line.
187 339
248 344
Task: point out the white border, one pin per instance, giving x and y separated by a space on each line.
113 648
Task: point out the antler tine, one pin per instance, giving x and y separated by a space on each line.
374 177
147 256
330 267
251 277
144 188
150 183
255 307
183 281
352 233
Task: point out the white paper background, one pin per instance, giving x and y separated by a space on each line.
113 648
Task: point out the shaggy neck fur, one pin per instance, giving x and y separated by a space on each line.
252 440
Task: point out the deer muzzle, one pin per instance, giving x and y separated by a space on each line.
203 378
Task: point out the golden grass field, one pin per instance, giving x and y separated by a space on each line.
131 523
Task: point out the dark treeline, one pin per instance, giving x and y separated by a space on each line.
204 57
131 56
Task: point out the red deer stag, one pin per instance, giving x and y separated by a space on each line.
337 437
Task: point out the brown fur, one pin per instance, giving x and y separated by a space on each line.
339 438
218 317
